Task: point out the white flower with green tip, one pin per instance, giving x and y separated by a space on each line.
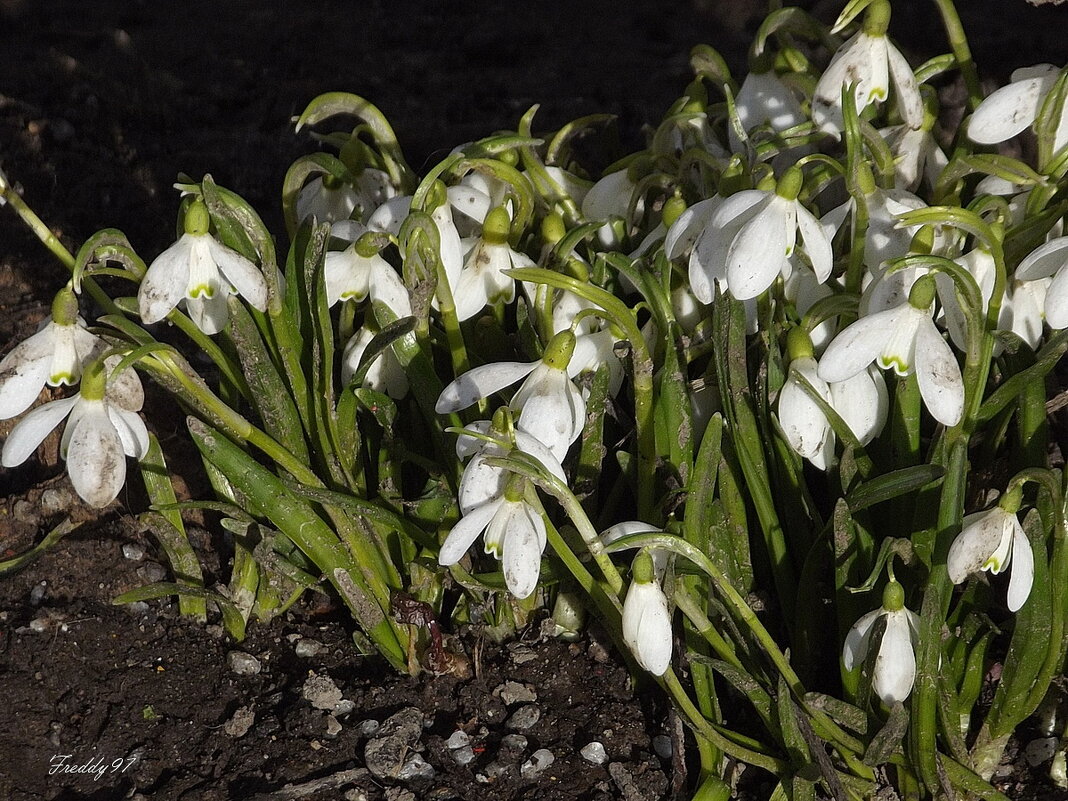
54 356
385 374
200 273
549 406
872 63
329 199
1050 259
750 238
103 427
895 664
1013 108
647 617
483 281
906 339
992 540
360 271
765 100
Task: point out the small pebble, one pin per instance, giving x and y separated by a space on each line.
151 572
39 625
138 608
512 692
512 748
594 752
355 795
458 739
538 762
133 552
321 692
243 664
333 728
344 707
416 768
240 723
464 755
495 770
369 727
524 717
1040 750
662 746
38 593
306 648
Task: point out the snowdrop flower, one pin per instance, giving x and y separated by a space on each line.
1050 259
201 273
549 405
103 428
385 374
991 540
483 280
514 533
610 199
647 618
916 153
1022 310
1012 108
359 271
765 100
52 356
751 237
871 62
906 339
895 664
860 400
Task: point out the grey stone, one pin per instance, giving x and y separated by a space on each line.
416 769
333 728
306 648
525 717
240 723
1040 750
594 752
133 552
321 692
386 755
39 593
243 664
512 692
151 572
663 747
538 762
464 755
458 739
369 727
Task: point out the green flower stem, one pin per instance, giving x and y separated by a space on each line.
688 605
37 225
958 42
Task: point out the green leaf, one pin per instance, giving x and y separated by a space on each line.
233 622
893 485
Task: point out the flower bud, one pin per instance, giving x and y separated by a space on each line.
197 219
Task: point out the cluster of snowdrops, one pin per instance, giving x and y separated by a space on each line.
793 353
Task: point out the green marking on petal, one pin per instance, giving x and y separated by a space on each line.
993 564
202 289
62 378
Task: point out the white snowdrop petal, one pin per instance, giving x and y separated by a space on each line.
863 403
131 430
481 382
210 315
1007 111
1056 304
647 626
470 201
529 445
1044 260
521 550
343 277
389 217
855 648
609 197
166 281
96 462
979 537
481 482
938 375
856 347
683 233
909 102
1022 575
757 253
895 666
24 372
849 63
387 287
466 531
802 421
468 446
32 429
817 243
242 274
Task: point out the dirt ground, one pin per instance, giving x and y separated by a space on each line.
103 103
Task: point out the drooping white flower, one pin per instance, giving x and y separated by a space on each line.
103 428
360 271
1012 108
53 356
549 405
917 154
750 237
860 400
1050 259
611 198
483 280
765 100
200 273
872 63
385 373
329 199
647 617
906 339
895 663
991 540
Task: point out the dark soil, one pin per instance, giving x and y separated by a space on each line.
103 104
